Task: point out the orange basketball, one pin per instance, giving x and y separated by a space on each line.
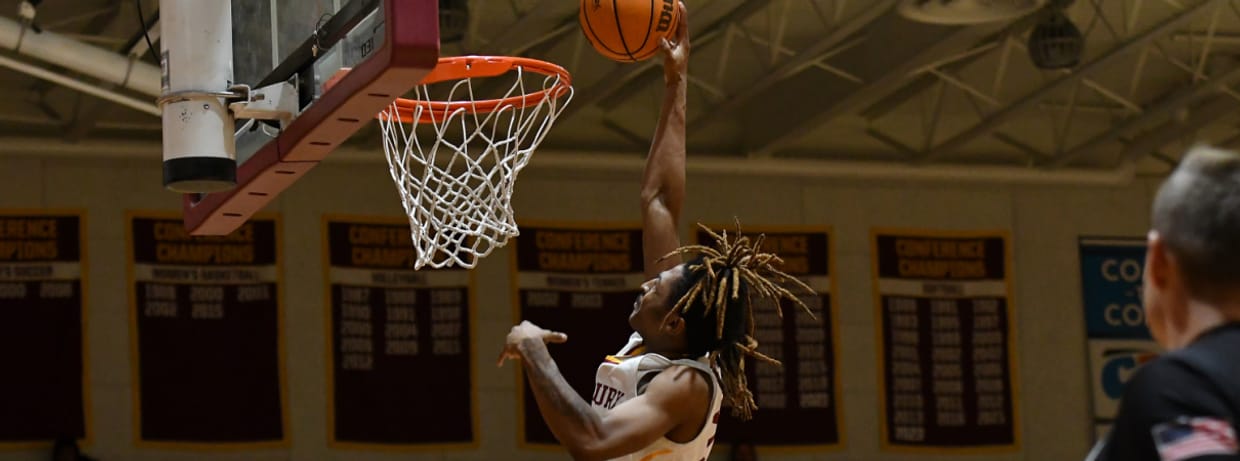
628 30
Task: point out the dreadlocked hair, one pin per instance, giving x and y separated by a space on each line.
715 297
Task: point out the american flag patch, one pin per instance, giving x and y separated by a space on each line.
1190 437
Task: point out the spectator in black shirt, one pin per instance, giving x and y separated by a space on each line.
1185 404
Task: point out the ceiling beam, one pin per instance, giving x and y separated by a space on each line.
997 119
546 16
1150 142
530 35
137 44
706 26
795 64
1167 105
1033 154
90 111
893 80
921 83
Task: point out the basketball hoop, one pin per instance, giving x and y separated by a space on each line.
456 176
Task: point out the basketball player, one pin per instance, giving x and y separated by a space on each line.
1185 404
661 394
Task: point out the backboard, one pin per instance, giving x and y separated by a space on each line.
389 45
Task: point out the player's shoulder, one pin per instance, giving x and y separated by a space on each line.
679 378
1209 359
680 389
678 382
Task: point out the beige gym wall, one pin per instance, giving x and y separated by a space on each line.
1044 221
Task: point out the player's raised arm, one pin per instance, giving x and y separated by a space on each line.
663 183
673 399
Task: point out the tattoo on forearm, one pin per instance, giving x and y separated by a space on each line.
546 381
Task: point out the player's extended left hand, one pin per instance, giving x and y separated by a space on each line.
526 330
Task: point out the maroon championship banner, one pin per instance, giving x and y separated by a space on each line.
797 400
206 315
401 344
946 361
42 274
582 281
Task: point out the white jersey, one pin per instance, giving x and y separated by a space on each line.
626 374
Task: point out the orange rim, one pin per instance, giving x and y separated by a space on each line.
463 67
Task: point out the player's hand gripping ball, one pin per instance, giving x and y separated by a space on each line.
629 30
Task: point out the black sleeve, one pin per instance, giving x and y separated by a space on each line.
1161 392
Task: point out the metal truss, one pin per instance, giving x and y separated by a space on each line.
1205 76
721 28
1072 81
1107 110
709 24
723 31
535 25
911 76
89 112
1136 39
840 36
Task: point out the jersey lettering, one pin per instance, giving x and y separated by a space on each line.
625 375
606 396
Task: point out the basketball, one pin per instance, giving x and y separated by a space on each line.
628 30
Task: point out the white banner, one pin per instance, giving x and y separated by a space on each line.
397 278
210 275
943 288
618 282
40 271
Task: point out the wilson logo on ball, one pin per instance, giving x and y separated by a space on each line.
665 16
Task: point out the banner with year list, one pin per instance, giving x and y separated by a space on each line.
42 279
945 340
582 280
208 347
1118 340
401 340
797 400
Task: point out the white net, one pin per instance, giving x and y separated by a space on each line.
455 165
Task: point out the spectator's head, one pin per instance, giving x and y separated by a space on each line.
1193 260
